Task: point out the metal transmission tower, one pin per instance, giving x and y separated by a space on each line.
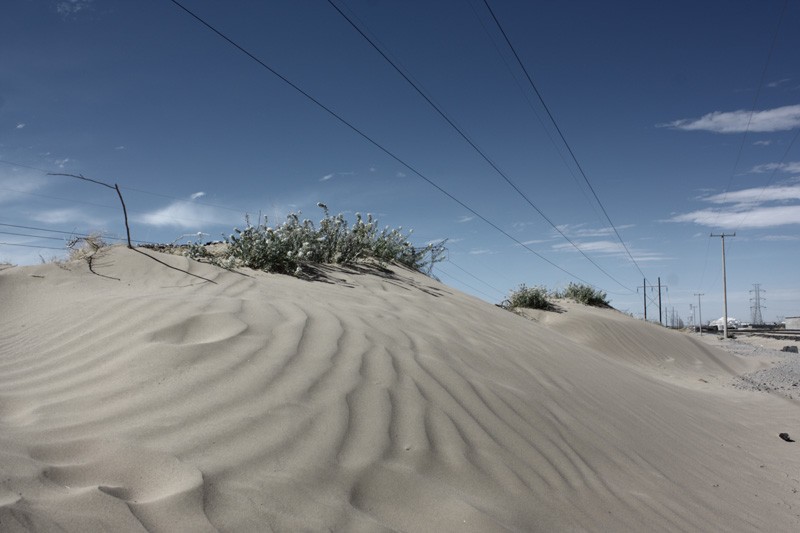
755 308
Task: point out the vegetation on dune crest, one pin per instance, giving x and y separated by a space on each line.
529 297
296 244
585 294
537 297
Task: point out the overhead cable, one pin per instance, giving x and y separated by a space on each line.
471 143
563 139
370 139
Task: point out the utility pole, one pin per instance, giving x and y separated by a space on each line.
755 309
660 321
724 282
644 286
699 312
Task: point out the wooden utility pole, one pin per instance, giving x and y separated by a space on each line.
699 311
644 286
724 282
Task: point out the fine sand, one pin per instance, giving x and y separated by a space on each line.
147 398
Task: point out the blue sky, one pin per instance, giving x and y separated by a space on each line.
683 116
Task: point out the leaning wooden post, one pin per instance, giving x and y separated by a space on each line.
115 187
125 214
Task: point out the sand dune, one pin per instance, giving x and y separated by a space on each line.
368 401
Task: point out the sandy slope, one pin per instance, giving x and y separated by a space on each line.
366 402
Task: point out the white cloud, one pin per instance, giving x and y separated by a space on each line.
778 83
62 162
579 230
792 167
400 175
188 215
70 7
66 215
20 125
464 218
762 143
761 217
326 177
605 247
609 248
778 119
12 183
120 147
781 238
481 252
197 195
746 208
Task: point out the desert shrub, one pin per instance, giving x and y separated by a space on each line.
85 247
295 244
585 294
530 297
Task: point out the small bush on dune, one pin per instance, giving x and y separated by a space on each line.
288 248
530 297
585 294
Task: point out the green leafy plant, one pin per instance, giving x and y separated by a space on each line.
530 297
585 294
297 244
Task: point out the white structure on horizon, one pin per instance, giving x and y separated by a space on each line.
720 322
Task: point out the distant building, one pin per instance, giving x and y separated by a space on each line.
732 323
793 322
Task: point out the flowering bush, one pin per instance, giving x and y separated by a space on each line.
288 248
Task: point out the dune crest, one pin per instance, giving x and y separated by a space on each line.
371 401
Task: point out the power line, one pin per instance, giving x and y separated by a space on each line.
755 102
30 235
71 233
471 142
151 193
369 139
771 177
30 246
563 139
475 277
526 95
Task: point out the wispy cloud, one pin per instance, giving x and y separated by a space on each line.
581 231
188 215
481 251
768 120
72 215
778 83
14 182
197 195
332 175
609 248
762 143
606 247
20 125
61 163
761 217
791 167
464 218
400 175
749 208
71 7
